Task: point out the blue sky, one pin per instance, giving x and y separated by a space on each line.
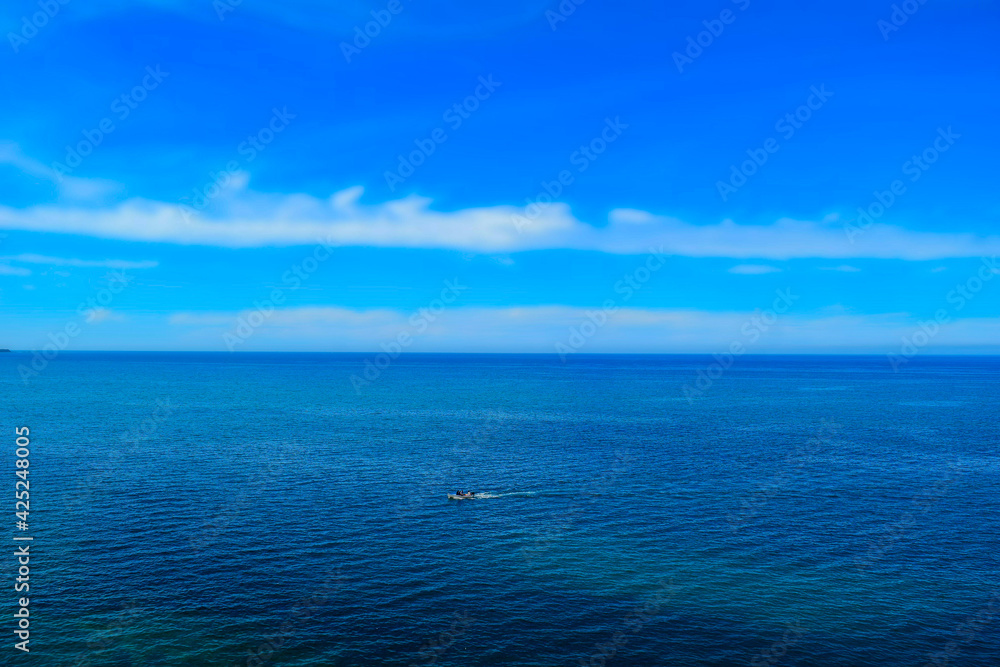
121 115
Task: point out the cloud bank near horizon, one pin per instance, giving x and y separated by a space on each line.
534 329
242 218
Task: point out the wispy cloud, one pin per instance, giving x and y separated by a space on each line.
28 258
370 320
753 269
843 268
6 270
71 187
537 328
249 219
96 315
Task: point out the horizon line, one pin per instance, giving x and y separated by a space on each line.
539 354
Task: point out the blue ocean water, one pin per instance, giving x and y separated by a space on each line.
257 509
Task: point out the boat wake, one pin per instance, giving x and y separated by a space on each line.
505 495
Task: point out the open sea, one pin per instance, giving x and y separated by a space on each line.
263 509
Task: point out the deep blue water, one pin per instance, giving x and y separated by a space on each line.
187 509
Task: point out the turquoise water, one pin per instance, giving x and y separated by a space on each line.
203 509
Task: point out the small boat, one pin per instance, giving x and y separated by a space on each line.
461 496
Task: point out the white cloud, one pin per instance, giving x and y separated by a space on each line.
538 328
13 271
95 315
28 258
249 219
342 317
844 268
754 269
71 187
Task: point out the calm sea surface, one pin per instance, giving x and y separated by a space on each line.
255 509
